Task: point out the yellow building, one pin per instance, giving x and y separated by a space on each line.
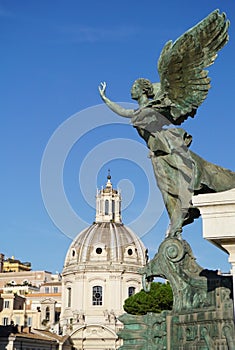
14 265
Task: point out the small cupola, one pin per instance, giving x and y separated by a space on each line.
108 203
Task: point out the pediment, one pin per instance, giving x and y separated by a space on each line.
94 331
48 301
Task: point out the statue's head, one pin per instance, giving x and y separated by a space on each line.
142 86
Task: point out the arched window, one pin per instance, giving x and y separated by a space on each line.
131 291
113 209
47 313
106 207
69 294
97 297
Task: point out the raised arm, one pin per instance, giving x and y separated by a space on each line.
127 113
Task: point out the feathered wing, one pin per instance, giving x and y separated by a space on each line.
181 66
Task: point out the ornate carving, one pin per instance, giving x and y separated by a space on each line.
144 332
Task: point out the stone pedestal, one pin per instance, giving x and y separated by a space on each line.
218 218
202 314
202 317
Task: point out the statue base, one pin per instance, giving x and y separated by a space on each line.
202 316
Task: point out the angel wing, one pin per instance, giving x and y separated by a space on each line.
181 65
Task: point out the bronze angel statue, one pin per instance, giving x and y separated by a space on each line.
184 85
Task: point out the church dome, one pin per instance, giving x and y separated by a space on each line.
101 270
107 241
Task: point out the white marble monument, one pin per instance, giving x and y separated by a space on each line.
218 218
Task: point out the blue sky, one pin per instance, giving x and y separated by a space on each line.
53 56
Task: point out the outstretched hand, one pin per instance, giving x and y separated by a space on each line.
127 113
102 88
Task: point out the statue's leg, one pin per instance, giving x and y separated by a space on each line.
174 185
179 208
176 215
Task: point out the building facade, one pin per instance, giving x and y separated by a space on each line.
100 272
30 299
83 304
14 265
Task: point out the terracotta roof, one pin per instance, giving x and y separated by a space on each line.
6 331
48 334
33 336
52 283
40 295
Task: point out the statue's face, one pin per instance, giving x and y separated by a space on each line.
136 91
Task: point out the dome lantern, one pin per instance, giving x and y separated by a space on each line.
108 204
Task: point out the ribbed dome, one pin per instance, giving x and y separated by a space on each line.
106 242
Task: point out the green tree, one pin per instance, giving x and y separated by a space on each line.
158 299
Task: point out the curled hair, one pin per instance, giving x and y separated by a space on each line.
146 85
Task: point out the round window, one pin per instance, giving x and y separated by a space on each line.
130 251
98 250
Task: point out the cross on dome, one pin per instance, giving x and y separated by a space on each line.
109 183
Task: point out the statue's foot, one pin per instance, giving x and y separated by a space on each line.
178 234
174 233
